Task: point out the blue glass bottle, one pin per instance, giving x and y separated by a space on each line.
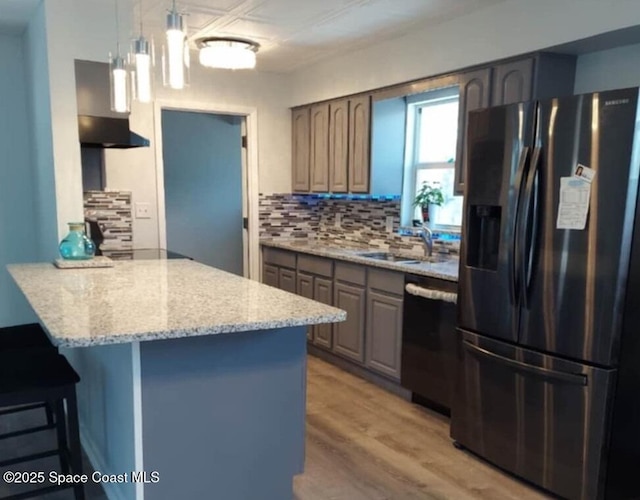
76 245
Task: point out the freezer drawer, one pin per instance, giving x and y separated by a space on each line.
541 417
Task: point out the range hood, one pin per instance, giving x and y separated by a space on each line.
106 132
98 126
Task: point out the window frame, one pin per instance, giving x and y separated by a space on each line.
415 105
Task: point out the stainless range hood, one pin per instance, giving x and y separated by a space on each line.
106 132
98 126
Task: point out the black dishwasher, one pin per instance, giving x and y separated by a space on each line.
429 341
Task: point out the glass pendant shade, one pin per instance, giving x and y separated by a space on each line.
227 53
175 53
120 98
142 62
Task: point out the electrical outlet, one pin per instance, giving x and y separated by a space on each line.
143 210
389 224
338 222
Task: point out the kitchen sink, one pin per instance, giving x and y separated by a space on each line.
401 259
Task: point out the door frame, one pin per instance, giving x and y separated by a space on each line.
250 188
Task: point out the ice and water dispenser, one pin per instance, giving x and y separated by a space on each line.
483 236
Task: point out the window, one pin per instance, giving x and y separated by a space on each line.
432 134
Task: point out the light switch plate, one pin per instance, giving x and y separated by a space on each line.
389 224
338 222
143 210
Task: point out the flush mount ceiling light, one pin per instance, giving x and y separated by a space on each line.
227 53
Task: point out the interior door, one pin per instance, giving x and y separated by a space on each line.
498 155
540 417
203 188
574 279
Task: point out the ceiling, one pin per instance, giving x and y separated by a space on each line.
295 33
16 14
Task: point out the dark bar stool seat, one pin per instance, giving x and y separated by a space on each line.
32 337
28 377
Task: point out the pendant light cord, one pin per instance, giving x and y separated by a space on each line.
140 17
117 28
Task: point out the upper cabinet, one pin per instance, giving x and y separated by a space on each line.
337 159
300 149
319 164
359 144
475 93
339 146
542 76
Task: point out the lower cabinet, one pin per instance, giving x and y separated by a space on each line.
371 336
384 333
270 275
348 338
323 292
305 289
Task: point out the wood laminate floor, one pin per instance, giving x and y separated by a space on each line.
364 443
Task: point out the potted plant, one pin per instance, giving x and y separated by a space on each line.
429 194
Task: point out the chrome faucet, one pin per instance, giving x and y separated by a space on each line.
427 239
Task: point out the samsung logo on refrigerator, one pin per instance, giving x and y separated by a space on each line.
616 102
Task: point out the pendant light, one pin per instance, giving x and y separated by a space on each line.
175 52
120 101
143 61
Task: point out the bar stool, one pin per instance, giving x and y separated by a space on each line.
34 376
30 336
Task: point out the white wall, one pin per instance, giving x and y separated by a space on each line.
81 29
608 69
135 170
18 240
503 30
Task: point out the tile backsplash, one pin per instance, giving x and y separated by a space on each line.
354 221
112 210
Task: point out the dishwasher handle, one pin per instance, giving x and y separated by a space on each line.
428 293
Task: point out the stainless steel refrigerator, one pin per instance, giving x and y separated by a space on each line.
548 383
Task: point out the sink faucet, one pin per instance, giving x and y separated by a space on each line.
427 239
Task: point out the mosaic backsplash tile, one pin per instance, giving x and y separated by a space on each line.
112 210
354 221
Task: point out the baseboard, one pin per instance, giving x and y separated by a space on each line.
359 371
112 490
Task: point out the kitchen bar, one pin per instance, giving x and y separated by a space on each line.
187 371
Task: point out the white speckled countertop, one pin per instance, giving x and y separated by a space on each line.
157 299
446 270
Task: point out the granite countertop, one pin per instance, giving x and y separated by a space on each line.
446 270
157 299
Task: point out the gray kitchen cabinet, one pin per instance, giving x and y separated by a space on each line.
270 275
348 336
339 146
300 143
323 292
512 82
475 93
278 269
287 280
383 339
359 143
319 156
304 287
539 76
384 333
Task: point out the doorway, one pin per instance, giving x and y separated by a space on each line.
204 178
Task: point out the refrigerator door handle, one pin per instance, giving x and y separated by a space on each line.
519 366
514 261
528 236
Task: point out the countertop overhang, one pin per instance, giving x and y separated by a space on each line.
447 270
157 299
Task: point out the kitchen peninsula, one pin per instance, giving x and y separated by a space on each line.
186 370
